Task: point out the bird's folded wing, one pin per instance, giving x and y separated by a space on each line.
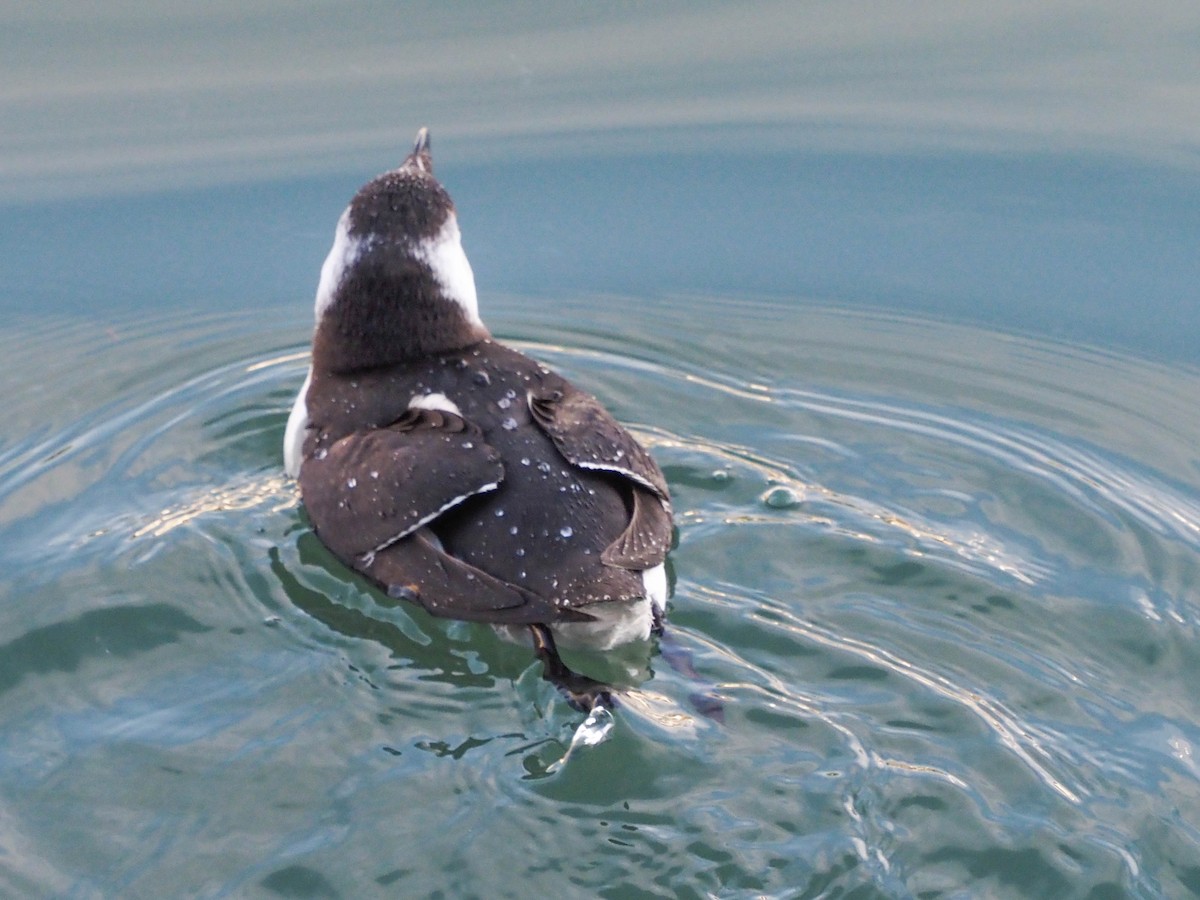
645 541
377 486
371 494
416 569
587 436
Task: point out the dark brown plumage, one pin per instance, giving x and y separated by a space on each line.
453 471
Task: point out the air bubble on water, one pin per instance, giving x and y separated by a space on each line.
504 403
566 531
524 460
781 497
509 424
352 483
722 475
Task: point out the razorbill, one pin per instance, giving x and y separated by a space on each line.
453 471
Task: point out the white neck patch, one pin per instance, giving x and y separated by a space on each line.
443 253
341 256
445 256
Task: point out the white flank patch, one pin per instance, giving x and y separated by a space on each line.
440 402
445 256
341 256
612 625
655 582
293 435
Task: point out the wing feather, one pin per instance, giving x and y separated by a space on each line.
587 436
374 487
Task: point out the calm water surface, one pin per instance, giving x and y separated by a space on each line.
907 310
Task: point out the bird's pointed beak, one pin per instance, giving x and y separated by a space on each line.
420 157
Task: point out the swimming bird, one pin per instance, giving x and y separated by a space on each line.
455 472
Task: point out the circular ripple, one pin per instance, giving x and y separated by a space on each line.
941 580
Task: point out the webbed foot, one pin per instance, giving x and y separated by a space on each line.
583 693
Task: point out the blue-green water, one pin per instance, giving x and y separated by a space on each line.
906 306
